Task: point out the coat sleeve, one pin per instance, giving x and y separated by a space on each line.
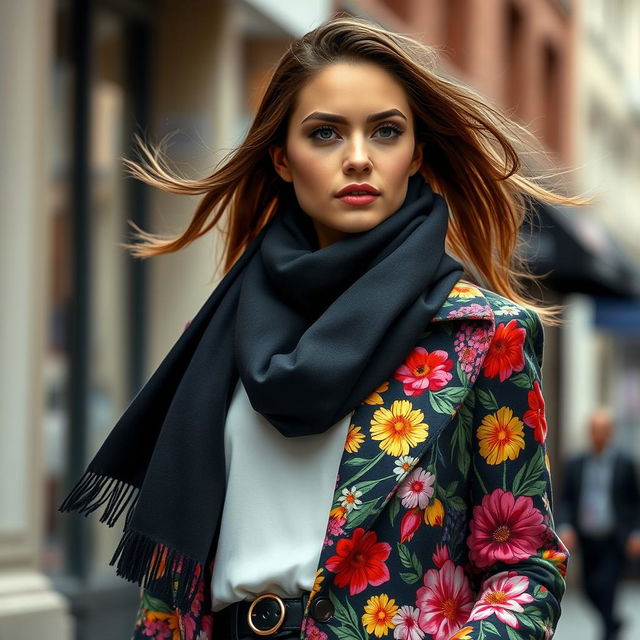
515 555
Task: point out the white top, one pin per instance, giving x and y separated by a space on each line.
278 497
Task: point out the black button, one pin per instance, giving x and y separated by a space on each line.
322 609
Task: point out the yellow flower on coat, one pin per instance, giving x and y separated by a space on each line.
465 291
338 512
379 611
434 513
316 584
171 620
399 427
501 436
376 397
354 439
462 634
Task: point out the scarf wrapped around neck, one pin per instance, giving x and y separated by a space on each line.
310 331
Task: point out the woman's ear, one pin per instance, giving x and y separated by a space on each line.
417 159
279 159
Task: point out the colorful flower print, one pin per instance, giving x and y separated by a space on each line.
399 428
423 370
470 345
354 439
403 465
434 513
378 614
504 529
316 583
444 601
351 499
500 436
440 555
410 524
535 417
407 626
559 558
463 634
360 561
474 309
417 489
505 353
502 593
507 310
465 291
160 625
311 631
376 396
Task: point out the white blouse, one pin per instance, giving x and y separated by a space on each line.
278 497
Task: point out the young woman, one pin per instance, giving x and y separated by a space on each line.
349 437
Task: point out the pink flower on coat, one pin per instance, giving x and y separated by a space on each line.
502 593
311 631
445 601
410 524
440 555
407 626
423 370
416 489
504 529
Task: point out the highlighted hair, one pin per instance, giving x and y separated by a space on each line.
474 157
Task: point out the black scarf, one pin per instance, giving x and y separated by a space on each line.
311 332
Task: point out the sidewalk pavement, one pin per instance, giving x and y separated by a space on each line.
579 619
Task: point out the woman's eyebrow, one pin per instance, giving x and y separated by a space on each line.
332 117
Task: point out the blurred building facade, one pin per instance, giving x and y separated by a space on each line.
99 322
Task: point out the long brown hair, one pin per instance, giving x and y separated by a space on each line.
474 157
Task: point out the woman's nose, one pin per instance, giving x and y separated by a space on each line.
357 155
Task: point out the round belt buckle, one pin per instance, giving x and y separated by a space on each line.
277 625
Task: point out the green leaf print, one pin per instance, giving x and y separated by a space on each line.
394 508
526 481
444 401
356 462
154 604
350 628
522 380
487 399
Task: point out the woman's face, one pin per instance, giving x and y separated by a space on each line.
337 137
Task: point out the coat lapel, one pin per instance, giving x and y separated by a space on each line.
399 422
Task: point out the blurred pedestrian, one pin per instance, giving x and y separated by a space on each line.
599 511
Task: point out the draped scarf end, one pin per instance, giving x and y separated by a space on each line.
166 573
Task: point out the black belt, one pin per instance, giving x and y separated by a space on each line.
268 615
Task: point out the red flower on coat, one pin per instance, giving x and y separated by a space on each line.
504 529
423 370
410 524
535 417
360 561
505 353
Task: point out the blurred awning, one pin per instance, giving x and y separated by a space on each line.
620 316
578 254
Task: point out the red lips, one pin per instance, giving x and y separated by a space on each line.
363 188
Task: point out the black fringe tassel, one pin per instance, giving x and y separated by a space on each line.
93 490
164 572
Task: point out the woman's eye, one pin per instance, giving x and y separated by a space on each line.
317 133
321 130
390 127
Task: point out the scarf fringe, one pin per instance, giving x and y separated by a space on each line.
93 490
166 573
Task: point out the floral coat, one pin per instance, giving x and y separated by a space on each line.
441 525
